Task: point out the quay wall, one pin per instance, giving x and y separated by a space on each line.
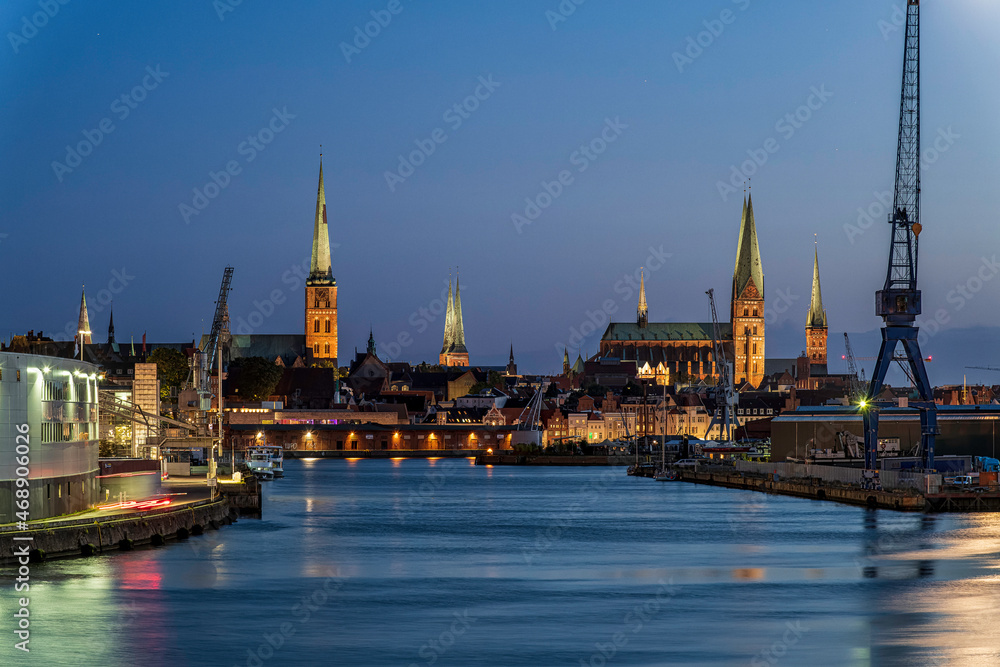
816 489
94 536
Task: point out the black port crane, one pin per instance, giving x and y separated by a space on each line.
898 302
212 345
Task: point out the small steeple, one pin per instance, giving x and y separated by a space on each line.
565 361
511 366
642 315
321 270
83 324
133 344
458 333
371 341
511 360
111 327
817 314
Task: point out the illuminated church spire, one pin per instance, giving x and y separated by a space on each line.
321 269
642 315
458 333
321 326
816 329
817 314
83 325
449 323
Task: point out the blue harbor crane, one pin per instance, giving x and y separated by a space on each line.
898 302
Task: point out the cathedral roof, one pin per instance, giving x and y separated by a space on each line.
748 266
630 331
817 315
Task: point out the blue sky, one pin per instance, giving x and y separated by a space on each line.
681 125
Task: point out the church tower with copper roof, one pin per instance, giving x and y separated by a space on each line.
816 329
748 304
321 287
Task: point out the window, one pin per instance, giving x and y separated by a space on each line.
354 444
746 312
328 326
316 348
755 331
340 444
326 348
316 325
755 312
755 348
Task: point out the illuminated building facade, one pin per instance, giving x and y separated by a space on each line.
55 401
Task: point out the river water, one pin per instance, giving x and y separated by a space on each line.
440 562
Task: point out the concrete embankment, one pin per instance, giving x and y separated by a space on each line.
907 501
95 535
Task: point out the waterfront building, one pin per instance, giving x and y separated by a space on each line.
56 401
453 350
321 287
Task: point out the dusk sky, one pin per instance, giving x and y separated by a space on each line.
674 120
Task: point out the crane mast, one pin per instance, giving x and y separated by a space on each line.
725 393
898 302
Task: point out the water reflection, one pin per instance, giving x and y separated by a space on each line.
549 562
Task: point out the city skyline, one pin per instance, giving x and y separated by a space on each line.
673 131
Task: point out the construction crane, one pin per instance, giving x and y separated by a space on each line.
984 368
725 393
221 311
859 388
898 302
